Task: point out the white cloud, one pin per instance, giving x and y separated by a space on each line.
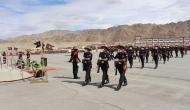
18 18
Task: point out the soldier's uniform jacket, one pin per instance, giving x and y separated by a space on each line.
164 50
130 51
142 51
155 51
181 49
120 59
74 56
103 59
176 48
147 51
168 50
87 64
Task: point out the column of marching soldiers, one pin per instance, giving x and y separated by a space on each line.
122 56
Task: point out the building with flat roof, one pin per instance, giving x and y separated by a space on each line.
162 41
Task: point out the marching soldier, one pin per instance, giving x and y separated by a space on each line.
136 52
130 52
181 49
171 51
120 64
168 49
164 53
160 53
147 54
155 55
176 51
185 50
142 53
87 65
104 65
75 60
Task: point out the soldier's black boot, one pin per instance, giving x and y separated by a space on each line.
85 83
118 87
155 67
100 86
125 83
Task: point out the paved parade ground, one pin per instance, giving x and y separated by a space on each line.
165 88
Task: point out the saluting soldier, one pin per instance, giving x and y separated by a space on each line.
75 60
104 65
142 53
155 55
130 52
87 64
120 64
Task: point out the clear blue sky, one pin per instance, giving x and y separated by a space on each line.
23 17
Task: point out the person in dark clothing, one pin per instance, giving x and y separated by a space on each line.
104 65
87 65
147 54
130 52
182 49
28 57
164 53
142 53
155 55
171 51
136 49
176 48
168 49
120 64
75 60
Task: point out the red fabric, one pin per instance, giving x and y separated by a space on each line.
125 68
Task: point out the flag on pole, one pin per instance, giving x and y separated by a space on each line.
38 44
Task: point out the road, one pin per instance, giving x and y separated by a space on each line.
165 88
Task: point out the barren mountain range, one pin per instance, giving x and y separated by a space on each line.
122 33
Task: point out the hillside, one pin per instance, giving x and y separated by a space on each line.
122 33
